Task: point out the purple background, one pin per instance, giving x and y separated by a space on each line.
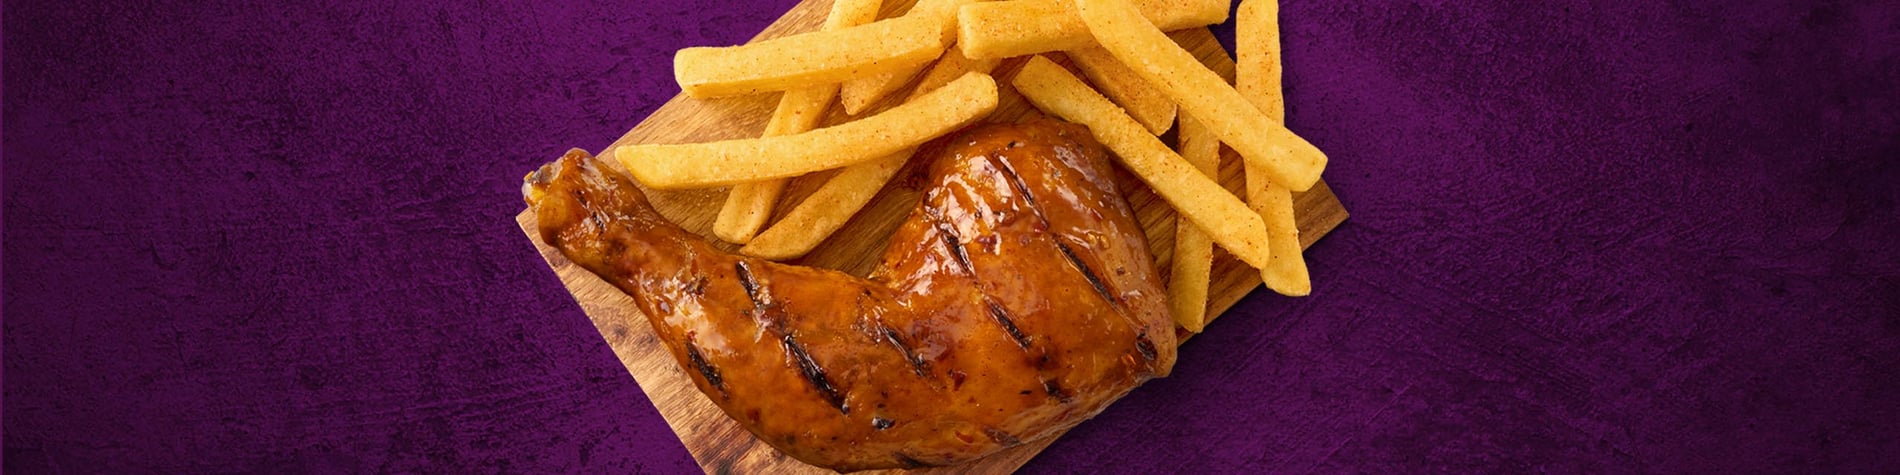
1586 236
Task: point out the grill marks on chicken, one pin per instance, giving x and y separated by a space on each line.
1016 182
773 320
1142 343
813 373
706 370
1002 318
988 322
1087 273
890 335
954 243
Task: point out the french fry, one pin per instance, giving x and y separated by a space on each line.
809 59
825 210
1142 101
1193 251
1203 201
1025 27
833 204
675 166
858 94
1286 158
749 205
1257 56
1257 77
1286 271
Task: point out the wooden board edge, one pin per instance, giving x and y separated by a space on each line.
636 346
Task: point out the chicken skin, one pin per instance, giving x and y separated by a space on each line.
1018 299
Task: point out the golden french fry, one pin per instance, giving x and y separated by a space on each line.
858 94
953 65
1120 28
1194 195
1257 77
1257 56
749 205
842 196
1285 272
1193 250
809 59
1142 101
674 166
825 210
1025 27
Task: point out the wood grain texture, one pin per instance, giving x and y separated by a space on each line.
721 445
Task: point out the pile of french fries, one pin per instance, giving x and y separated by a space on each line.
947 48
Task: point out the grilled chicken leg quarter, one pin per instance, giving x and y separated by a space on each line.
1017 300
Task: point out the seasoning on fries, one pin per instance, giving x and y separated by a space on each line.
749 205
1228 221
1193 250
858 94
844 194
809 59
1026 27
1286 158
1257 77
1142 101
700 165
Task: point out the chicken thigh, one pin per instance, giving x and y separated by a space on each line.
1018 299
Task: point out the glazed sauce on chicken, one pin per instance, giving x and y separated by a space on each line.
1018 299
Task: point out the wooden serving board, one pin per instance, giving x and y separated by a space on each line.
718 443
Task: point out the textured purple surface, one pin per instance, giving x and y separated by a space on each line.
1586 236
